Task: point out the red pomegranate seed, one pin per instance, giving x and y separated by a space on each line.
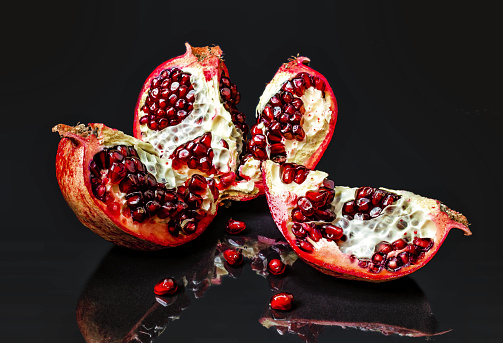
364 192
276 267
235 226
388 200
375 268
314 233
378 197
383 248
399 244
260 154
349 208
298 132
300 174
288 174
305 246
281 301
298 230
424 243
256 130
378 258
413 249
363 263
332 232
259 140
393 264
298 216
198 184
277 149
375 212
166 286
274 139
404 258
318 199
234 258
305 206
139 214
117 172
363 205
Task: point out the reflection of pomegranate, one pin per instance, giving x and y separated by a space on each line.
399 308
356 233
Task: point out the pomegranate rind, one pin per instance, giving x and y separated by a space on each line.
327 256
76 149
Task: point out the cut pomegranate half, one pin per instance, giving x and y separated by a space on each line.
187 110
120 189
296 116
357 233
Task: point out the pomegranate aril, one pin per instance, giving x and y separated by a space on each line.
139 214
281 301
399 244
189 228
300 174
298 230
298 132
152 207
227 179
166 286
375 268
364 192
332 232
314 233
318 199
424 243
324 215
393 264
375 212
198 184
276 266
277 149
305 246
349 208
287 174
305 206
233 257
259 140
129 183
388 200
275 101
134 199
404 258
235 226
298 216
114 157
384 248
193 200
378 258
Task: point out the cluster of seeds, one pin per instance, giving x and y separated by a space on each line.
230 97
396 255
170 99
196 154
144 196
282 117
368 203
293 173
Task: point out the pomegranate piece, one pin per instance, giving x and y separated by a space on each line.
281 301
166 286
127 199
235 226
339 236
276 267
233 257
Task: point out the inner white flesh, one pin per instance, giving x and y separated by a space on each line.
406 218
315 121
208 115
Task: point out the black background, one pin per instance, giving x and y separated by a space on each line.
418 86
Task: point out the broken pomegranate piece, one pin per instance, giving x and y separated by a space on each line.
339 231
120 189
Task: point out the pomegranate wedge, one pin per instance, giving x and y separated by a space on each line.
119 188
371 234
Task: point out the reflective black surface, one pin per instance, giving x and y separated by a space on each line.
418 88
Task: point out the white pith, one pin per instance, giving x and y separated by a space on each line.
250 172
208 115
315 121
410 213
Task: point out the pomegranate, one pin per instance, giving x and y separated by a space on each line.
167 286
282 301
235 226
371 234
276 266
296 116
187 110
122 190
233 257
